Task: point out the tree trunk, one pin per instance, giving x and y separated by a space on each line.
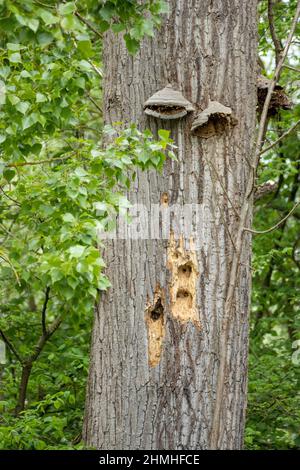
169 349
26 371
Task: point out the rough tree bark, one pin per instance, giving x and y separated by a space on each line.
187 390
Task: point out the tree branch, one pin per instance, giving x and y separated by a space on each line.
273 82
285 134
97 70
38 162
264 189
95 103
28 364
276 41
290 67
9 197
10 346
297 262
210 163
44 310
261 232
43 340
88 24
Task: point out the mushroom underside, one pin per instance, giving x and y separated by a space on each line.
214 125
164 111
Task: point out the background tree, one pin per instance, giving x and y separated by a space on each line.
273 404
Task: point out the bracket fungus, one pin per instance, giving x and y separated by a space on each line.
168 104
279 99
265 189
213 120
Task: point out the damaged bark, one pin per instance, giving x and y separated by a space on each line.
156 327
182 264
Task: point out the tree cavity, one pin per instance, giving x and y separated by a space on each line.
155 321
182 264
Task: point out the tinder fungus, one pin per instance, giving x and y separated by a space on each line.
168 104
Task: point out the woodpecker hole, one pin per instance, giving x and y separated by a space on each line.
164 200
185 270
158 311
155 321
182 264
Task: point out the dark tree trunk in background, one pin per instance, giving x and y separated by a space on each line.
169 350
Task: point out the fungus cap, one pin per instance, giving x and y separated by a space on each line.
214 108
168 104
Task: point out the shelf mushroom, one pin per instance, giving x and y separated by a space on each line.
168 104
213 120
279 99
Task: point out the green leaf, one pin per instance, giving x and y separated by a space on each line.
30 120
67 8
2 92
84 65
23 106
131 44
13 47
164 134
9 174
172 155
85 47
13 99
15 58
57 404
103 26
47 17
25 74
68 217
107 11
68 22
40 98
76 251
117 28
100 206
33 24
103 283
163 7
5 71
44 39
148 27
36 148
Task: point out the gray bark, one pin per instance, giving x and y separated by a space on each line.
173 395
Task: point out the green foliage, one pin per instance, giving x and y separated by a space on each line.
62 181
274 398
56 394
274 372
60 207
